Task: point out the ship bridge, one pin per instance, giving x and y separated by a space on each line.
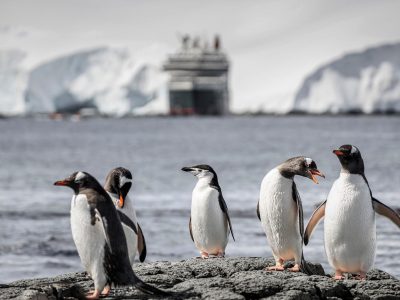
198 80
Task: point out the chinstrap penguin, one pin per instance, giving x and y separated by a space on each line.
118 183
281 214
99 237
349 211
209 223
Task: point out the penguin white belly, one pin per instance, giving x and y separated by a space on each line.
130 235
89 240
349 225
279 216
209 226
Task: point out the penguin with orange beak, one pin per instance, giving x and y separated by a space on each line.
118 184
99 237
349 212
281 213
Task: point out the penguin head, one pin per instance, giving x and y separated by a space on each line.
78 181
300 165
201 171
350 159
119 182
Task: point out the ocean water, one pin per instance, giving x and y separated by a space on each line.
35 237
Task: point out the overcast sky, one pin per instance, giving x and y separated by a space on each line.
272 44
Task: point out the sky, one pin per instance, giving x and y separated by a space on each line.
272 45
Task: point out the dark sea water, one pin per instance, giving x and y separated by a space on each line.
35 237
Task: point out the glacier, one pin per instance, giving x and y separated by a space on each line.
108 80
362 82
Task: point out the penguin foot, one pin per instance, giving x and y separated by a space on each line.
296 268
221 254
93 295
275 268
361 276
106 290
204 255
338 275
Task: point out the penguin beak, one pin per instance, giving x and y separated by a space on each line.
187 169
338 152
63 182
121 201
314 172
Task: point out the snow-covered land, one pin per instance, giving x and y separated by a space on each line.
367 82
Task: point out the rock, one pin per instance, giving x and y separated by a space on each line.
216 278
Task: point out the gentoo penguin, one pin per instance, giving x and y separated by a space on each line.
118 184
209 222
99 237
280 211
349 226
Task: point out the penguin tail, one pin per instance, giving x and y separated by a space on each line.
149 289
304 267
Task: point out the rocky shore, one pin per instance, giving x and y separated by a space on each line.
229 278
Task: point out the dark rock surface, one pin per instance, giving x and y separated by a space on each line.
229 278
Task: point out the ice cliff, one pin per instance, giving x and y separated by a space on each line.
108 80
366 82
13 80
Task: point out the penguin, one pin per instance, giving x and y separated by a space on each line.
209 223
281 214
117 185
349 211
99 237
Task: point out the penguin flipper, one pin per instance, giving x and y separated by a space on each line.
297 199
138 231
258 210
190 228
224 209
317 215
104 228
386 211
141 245
127 222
